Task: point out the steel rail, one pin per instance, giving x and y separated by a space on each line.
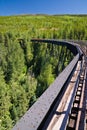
35 117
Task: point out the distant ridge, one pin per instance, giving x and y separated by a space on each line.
81 15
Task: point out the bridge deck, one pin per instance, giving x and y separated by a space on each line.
36 117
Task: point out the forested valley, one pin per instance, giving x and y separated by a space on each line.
27 69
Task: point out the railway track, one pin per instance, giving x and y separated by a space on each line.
77 119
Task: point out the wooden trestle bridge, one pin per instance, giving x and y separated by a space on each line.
63 106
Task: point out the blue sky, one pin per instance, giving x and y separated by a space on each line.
15 7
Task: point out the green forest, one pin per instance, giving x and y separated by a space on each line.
27 69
